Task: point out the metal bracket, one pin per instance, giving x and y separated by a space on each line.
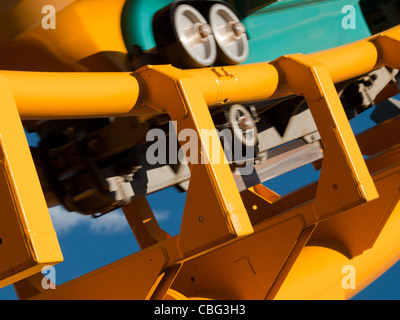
225 217
388 46
28 240
344 180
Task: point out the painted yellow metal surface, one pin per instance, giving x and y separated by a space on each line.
343 163
248 245
76 95
219 86
28 240
210 173
25 15
79 34
363 238
318 273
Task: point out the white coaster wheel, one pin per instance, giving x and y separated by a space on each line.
230 34
243 125
195 36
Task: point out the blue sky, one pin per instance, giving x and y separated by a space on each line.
88 243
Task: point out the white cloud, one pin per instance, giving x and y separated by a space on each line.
112 223
64 222
162 214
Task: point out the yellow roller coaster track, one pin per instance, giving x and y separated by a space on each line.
291 248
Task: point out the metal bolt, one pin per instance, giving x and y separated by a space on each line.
205 30
238 28
95 145
246 123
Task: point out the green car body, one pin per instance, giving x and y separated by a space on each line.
274 28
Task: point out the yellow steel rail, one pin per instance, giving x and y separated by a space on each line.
72 95
116 94
28 241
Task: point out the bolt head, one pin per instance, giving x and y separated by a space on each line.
205 30
238 28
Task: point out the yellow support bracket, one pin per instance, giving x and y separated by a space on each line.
266 194
211 178
143 223
388 45
344 181
28 241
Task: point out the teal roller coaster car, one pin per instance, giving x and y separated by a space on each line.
273 28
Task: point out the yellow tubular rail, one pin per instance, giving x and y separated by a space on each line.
72 95
44 95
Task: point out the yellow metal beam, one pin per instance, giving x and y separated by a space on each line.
72 95
318 272
344 180
143 223
211 177
28 240
131 278
388 45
